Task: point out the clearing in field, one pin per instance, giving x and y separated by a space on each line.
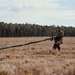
37 59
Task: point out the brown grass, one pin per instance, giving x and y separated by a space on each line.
37 59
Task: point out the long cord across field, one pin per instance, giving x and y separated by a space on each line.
24 44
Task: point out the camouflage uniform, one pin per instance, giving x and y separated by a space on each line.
58 39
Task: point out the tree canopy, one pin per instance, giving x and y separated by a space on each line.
22 30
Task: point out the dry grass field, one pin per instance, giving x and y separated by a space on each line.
37 59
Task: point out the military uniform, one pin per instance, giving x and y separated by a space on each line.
58 39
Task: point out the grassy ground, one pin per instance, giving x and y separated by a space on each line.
37 59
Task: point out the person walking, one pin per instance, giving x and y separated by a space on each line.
58 38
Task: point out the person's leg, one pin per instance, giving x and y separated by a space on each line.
58 46
54 46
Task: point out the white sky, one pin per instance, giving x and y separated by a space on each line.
42 12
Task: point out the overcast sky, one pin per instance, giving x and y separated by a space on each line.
43 12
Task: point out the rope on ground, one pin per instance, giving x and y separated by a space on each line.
25 44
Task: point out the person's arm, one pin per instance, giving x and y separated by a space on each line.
60 35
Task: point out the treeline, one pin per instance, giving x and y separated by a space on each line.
22 30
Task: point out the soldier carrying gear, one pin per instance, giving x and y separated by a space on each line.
58 38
